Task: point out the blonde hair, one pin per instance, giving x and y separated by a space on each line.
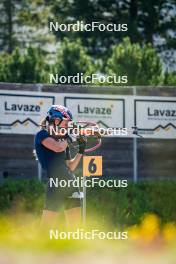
43 123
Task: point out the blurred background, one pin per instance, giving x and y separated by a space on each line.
146 52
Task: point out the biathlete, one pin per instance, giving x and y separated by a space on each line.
54 157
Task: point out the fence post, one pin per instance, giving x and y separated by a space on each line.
135 161
39 168
84 201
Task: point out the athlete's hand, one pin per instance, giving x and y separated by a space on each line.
70 139
82 144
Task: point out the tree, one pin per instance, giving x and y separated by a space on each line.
72 58
170 78
33 66
97 42
23 68
14 67
24 23
8 9
33 16
157 18
3 67
152 21
142 65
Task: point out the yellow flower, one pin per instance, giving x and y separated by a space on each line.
150 227
169 232
133 232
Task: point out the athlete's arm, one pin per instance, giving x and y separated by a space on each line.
73 163
54 145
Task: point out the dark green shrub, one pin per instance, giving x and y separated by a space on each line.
24 194
126 206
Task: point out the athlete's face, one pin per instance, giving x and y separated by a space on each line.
63 124
57 121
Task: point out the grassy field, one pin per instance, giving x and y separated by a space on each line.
147 215
22 241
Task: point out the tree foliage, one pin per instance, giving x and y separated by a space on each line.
72 58
142 65
22 68
170 78
28 48
148 21
24 23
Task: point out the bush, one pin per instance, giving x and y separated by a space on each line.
126 206
72 58
29 67
25 195
122 206
142 65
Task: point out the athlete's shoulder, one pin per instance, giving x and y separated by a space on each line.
42 132
41 135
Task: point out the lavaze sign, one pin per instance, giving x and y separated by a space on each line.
155 118
21 113
107 112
